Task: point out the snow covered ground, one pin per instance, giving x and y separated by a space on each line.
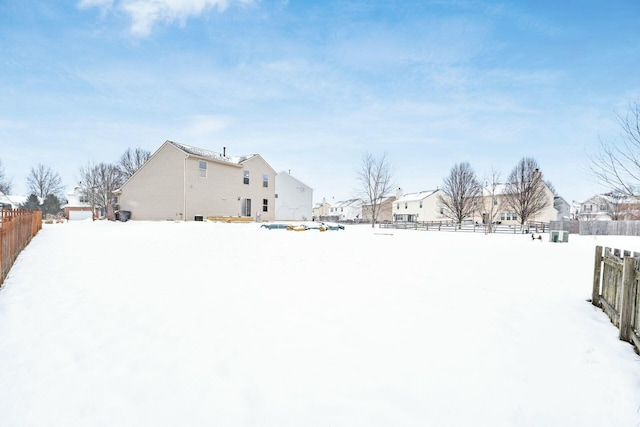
214 324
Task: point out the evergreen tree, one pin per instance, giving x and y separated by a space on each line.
51 205
32 203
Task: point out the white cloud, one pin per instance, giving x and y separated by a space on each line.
95 3
145 14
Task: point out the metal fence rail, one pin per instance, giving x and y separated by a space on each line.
17 228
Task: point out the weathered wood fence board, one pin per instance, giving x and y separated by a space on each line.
603 228
615 290
17 227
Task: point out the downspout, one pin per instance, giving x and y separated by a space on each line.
184 189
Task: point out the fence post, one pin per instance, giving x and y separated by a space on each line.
597 270
628 298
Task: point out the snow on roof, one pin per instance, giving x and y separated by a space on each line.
13 200
201 152
498 190
345 203
413 197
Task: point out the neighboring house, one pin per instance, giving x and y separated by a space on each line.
608 207
418 207
563 208
346 210
77 206
11 202
321 211
502 212
385 210
293 199
181 182
595 208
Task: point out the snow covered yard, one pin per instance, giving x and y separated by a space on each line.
201 324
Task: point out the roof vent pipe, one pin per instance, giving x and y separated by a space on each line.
224 151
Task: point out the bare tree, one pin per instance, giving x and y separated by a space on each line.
461 192
525 192
375 178
5 184
98 183
551 187
491 200
615 204
43 180
132 160
616 165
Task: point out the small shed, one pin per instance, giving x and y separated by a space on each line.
559 236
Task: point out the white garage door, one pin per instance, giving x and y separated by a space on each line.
79 215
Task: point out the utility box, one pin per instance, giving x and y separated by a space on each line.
198 218
559 236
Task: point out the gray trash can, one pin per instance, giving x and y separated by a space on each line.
125 216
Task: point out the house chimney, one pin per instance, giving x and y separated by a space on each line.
536 174
398 193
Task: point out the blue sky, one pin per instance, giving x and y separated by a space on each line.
313 85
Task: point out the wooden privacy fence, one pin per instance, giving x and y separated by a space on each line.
603 228
17 227
615 290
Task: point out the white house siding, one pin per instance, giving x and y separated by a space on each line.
418 207
346 210
169 186
294 201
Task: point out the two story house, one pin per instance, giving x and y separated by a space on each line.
294 199
417 207
608 207
346 210
181 182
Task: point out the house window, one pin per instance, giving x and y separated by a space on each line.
202 169
441 211
265 205
246 177
588 208
495 201
405 205
265 180
420 204
397 205
502 217
603 208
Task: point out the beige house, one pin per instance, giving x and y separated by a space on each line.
385 210
418 207
321 210
181 182
493 208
